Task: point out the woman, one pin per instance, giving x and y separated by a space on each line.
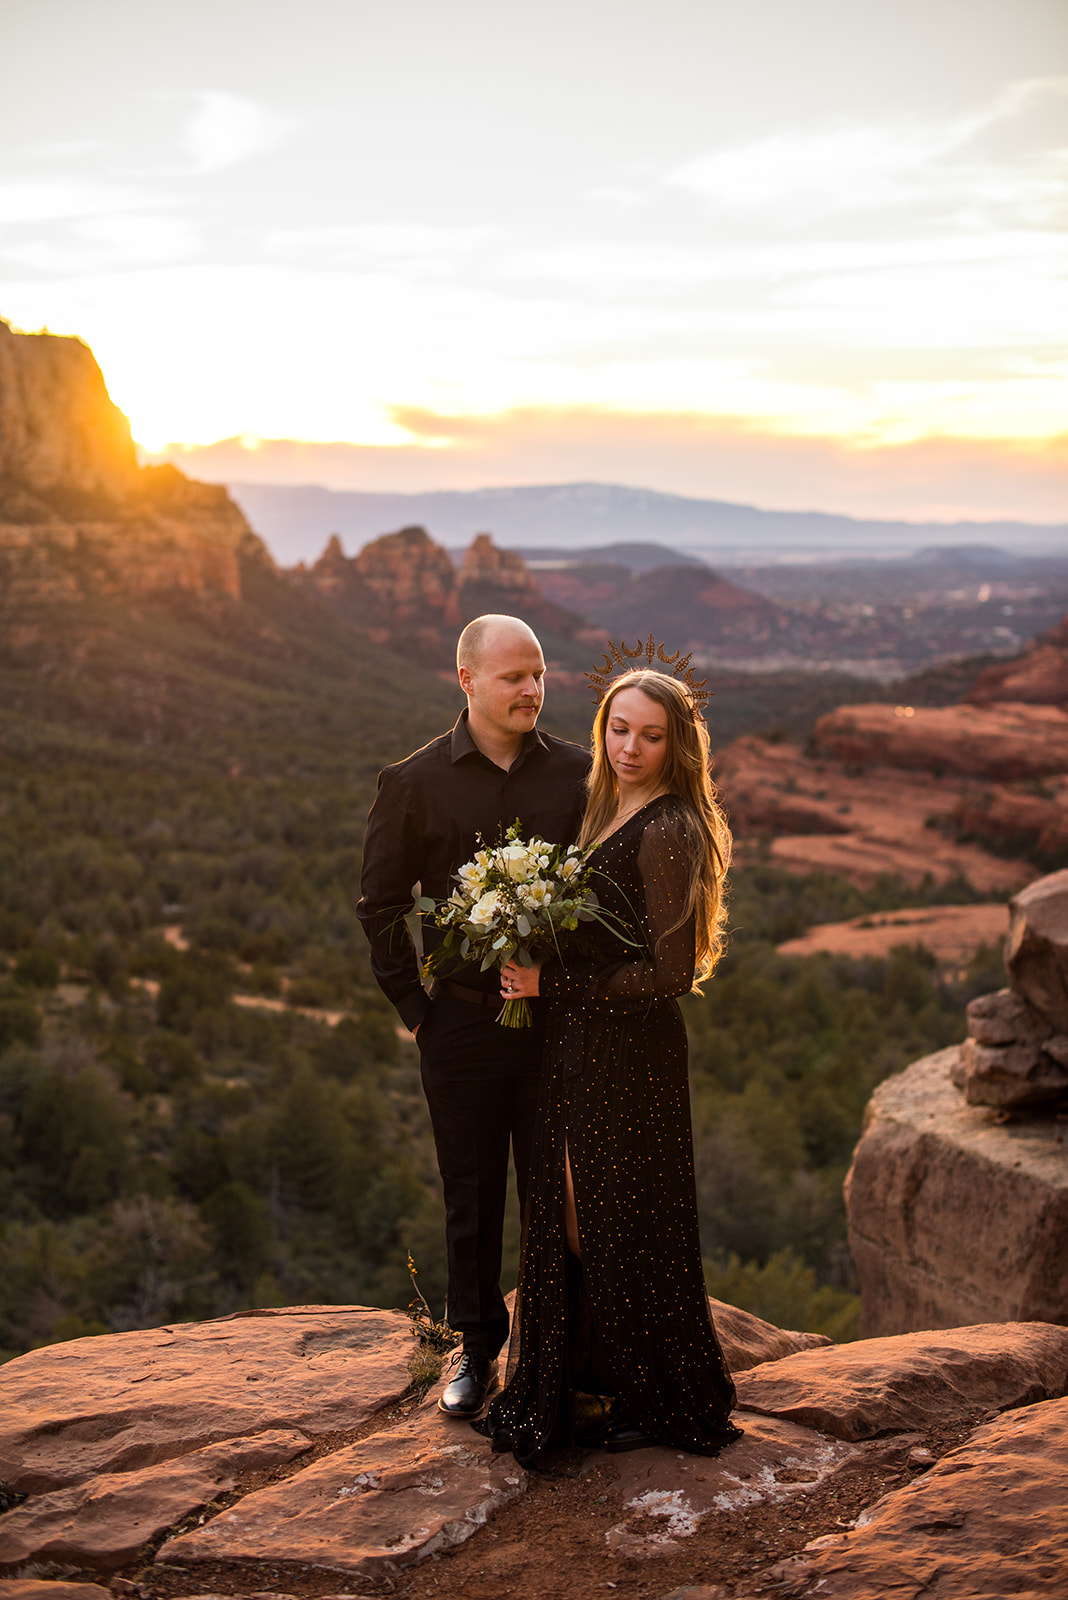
611 1297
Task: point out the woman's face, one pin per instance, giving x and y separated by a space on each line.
636 741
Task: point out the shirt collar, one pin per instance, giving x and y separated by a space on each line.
464 745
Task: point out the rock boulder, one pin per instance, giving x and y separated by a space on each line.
1036 952
881 1386
126 1401
956 1217
986 1522
996 741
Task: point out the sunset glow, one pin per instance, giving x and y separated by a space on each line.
838 243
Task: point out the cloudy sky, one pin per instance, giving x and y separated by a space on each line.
799 254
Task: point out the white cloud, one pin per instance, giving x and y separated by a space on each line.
51 200
807 175
406 248
226 129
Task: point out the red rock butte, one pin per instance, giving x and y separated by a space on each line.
77 513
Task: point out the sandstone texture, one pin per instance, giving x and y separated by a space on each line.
286 1498
50 1589
951 933
77 514
855 820
368 1510
58 425
104 1521
985 1523
1036 953
1009 740
881 1386
1039 676
747 1340
663 1497
956 1217
71 1412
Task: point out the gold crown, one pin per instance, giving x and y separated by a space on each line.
620 655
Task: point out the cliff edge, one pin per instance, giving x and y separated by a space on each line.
77 513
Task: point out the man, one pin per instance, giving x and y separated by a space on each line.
480 1079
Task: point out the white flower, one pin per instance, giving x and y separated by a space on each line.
569 867
516 861
472 876
485 910
537 894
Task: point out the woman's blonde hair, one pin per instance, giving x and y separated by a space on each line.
705 836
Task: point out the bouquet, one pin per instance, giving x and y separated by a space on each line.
513 900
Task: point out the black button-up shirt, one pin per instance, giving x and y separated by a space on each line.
424 824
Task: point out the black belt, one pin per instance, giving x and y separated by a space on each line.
474 997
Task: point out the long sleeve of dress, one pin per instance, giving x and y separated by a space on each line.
663 967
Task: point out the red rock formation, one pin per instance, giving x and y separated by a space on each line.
404 590
77 514
932 1172
1039 676
58 426
833 817
996 741
334 1472
986 1522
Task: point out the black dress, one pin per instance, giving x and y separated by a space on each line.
616 1096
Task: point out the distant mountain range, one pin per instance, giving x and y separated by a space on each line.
296 522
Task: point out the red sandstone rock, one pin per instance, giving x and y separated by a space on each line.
77 514
58 426
104 1521
1012 1077
1036 952
997 741
747 1340
370 1509
1039 676
823 815
72 1411
1005 1018
1000 811
877 1386
953 1217
951 933
664 1495
985 1523
50 1589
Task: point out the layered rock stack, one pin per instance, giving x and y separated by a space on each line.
77 514
958 1192
404 590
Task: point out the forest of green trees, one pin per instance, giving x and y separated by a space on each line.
182 804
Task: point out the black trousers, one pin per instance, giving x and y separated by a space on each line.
481 1085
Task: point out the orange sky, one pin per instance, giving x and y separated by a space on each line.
791 255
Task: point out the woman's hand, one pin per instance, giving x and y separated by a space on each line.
520 983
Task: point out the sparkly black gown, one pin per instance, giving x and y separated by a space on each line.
616 1095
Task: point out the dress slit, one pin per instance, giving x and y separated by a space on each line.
630 1317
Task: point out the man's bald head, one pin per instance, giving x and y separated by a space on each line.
502 673
486 635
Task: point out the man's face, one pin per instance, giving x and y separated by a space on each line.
507 686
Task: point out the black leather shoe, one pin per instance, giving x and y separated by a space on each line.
475 1381
614 1431
627 1436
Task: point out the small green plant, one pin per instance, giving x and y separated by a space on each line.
433 1339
